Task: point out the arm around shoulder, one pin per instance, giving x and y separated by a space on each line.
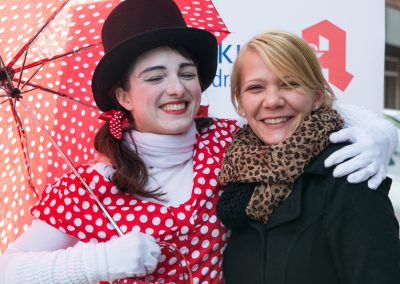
374 140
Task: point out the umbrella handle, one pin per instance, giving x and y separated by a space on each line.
172 248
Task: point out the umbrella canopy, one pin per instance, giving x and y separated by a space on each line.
48 51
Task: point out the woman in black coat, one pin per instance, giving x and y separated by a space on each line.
291 220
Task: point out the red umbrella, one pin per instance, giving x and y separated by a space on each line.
48 51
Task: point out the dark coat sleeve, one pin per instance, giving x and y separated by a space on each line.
363 233
231 206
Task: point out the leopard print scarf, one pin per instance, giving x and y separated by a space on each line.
276 167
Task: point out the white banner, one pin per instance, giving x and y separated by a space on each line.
348 36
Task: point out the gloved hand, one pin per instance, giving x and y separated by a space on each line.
132 255
369 154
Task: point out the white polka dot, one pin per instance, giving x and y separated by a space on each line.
99 222
204 270
101 234
214 260
85 205
156 221
213 274
102 189
81 235
60 209
184 230
89 228
72 188
172 272
205 217
213 219
172 260
195 254
88 217
143 218
205 244
215 247
194 241
149 231
133 202
204 230
68 215
117 216
78 222
215 233
130 217
181 216
169 223
205 257
120 201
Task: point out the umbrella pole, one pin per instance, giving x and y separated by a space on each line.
24 144
75 171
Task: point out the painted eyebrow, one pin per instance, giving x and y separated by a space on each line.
160 67
189 64
147 70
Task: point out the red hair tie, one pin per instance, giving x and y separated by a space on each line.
202 112
117 119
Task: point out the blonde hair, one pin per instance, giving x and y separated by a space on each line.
285 54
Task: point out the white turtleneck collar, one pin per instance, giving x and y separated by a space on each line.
169 160
163 151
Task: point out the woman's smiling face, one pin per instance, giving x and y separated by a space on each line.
164 92
273 108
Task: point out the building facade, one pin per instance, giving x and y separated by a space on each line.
392 55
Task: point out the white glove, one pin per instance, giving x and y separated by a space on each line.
369 154
132 255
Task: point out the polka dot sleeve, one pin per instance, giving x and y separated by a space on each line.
64 206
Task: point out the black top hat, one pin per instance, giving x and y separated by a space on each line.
137 26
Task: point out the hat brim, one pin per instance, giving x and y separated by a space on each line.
201 44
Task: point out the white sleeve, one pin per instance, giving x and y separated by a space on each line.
362 117
44 254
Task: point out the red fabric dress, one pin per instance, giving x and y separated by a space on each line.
192 227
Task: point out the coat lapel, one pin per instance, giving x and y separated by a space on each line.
289 210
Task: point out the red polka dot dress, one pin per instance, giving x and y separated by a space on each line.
192 226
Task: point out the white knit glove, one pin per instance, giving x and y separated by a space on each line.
134 254
369 155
